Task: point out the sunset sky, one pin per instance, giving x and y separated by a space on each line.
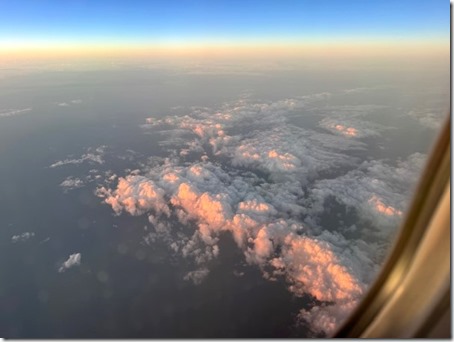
113 27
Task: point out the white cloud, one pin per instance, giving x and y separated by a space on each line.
13 112
430 118
197 276
73 260
22 237
289 153
93 155
376 190
69 103
71 183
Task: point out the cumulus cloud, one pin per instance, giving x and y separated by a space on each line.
211 129
376 191
375 184
205 196
22 237
13 112
290 153
247 169
136 195
73 260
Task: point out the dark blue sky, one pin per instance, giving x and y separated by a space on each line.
221 21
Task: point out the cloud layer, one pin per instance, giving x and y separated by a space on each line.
247 170
304 203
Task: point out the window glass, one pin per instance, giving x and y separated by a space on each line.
237 177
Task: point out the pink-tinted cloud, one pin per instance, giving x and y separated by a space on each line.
383 208
202 195
135 195
259 180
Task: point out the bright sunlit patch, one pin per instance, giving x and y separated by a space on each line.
348 131
383 208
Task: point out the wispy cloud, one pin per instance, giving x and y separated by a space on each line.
92 156
69 103
13 112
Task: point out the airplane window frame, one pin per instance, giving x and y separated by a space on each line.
431 198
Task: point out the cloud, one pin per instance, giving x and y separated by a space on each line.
136 195
429 118
69 103
289 153
13 112
326 318
238 273
22 237
71 183
257 136
197 276
207 198
374 183
313 268
73 260
351 112
93 155
247 169
376 191
351 127
367 89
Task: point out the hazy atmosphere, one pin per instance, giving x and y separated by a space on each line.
214 181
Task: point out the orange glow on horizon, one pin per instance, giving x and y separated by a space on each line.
326 50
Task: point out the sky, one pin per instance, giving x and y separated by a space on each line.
28 23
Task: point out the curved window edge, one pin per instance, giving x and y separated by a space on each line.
425 231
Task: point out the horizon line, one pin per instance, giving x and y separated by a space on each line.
374 46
